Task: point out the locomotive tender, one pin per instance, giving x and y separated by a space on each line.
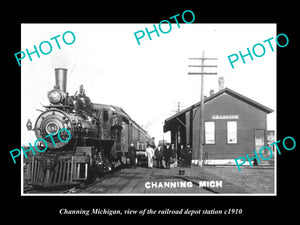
100 137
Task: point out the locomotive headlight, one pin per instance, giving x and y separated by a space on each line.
52 127
54 96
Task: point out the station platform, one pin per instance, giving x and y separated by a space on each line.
196 180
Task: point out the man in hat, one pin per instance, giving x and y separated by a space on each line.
132 155
159 156
150 154
167 155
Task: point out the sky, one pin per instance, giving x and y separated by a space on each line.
146 80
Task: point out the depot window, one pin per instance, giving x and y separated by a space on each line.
209 133
231 132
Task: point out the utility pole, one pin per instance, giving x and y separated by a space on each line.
178 106
202 98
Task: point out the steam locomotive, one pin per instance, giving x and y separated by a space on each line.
100 136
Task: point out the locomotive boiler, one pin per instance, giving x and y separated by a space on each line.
100 135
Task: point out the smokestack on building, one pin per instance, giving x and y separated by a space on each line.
61 79
221 81
211 92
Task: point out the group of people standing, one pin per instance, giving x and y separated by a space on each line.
162 152
165 152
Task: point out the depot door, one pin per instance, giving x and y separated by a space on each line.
259 136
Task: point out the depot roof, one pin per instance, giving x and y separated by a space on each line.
229 92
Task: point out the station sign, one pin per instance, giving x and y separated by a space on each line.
225 117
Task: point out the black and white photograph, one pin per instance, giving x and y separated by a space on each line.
171 108
163 113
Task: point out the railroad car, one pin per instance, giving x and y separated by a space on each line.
100 137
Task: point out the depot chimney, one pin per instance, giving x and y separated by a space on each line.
221 83
61 79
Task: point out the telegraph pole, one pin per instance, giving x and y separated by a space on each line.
202 98
179 106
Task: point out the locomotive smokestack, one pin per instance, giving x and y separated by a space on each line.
61 79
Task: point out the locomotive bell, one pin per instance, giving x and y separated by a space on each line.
61 79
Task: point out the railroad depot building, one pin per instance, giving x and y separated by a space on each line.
234 125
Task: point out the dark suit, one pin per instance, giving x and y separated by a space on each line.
167 156
159 156
132 156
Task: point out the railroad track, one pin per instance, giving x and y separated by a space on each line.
61 190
